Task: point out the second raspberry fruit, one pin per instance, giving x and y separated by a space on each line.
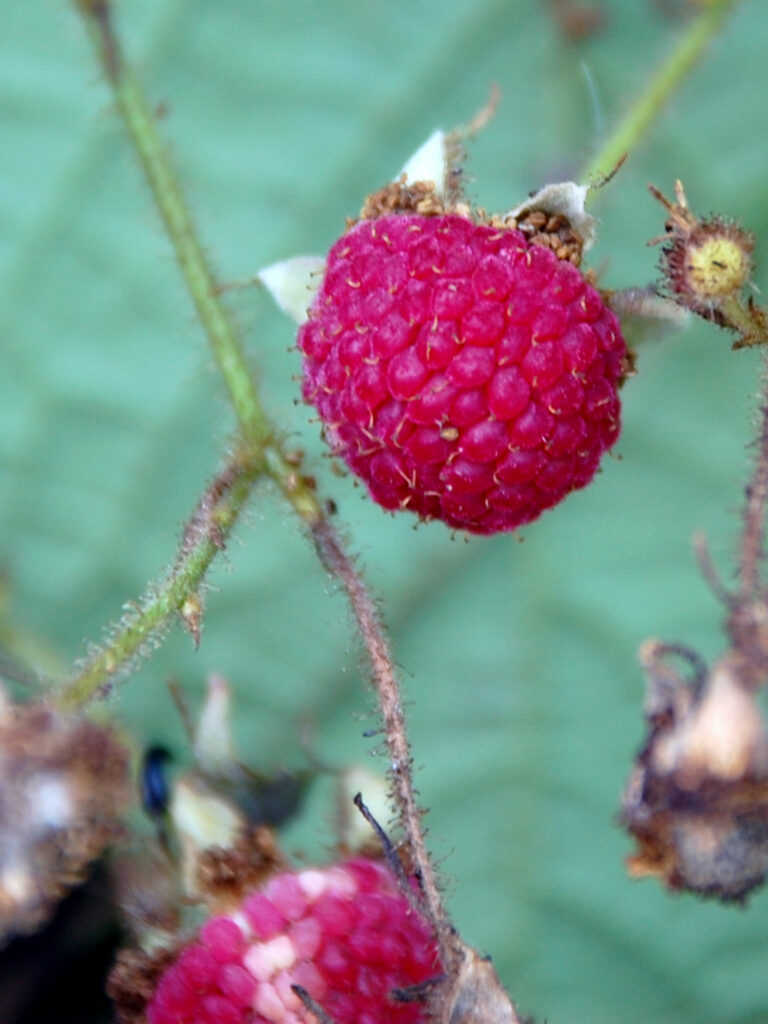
345 934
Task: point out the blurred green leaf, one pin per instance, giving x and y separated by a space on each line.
518 658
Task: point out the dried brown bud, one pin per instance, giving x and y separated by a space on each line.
697 799
63 782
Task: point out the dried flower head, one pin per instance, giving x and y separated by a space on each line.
704 262
63 783
697 799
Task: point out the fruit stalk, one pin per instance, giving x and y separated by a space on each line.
392 714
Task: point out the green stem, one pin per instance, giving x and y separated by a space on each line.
261 452
642 114
204 537
748 321
257 430
140 121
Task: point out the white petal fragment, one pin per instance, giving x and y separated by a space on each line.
202 818
354 831
429 163
214 747
566 198
294 283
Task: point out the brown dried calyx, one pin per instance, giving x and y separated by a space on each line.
63 784
402 196
550 229
697 799
226 873
133 980
432 185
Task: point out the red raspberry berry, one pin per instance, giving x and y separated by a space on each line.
460 370
345 934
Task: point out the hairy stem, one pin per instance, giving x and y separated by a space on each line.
644 111
392 713
752 541
204 537
266 456
258 432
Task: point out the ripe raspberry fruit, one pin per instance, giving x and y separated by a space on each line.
345 934
462 365
460 370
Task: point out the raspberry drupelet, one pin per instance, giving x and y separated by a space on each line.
462 371
345 934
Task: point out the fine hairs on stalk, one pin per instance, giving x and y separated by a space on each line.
471 991
145 623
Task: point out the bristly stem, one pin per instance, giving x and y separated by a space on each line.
205 536
258 432
753 537
643 112
392 713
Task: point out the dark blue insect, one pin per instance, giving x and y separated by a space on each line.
153 781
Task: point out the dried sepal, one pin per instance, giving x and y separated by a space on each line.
63 785
225 873
557 210
697 799
431 164
293 284
259 799
133 980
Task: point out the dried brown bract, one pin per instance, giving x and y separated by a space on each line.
63 784
133 980
225 874
471 992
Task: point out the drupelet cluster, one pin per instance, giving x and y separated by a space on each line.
462 371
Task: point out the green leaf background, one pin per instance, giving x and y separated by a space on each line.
517 654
